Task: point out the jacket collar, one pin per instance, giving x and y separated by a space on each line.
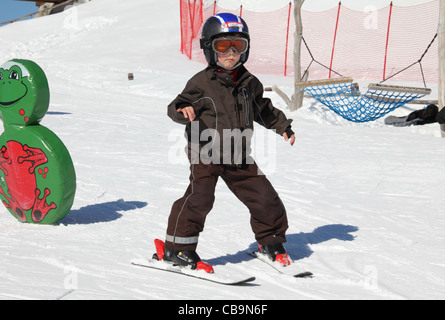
241 75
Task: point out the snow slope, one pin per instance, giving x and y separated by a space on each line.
365 201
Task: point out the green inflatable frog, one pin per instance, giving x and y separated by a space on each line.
37 176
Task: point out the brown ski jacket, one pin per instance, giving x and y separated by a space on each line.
225 111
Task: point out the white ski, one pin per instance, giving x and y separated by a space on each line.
211 277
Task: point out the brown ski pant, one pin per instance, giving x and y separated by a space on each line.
188 214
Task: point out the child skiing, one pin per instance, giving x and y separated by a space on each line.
218 107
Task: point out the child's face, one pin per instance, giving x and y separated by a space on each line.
229 59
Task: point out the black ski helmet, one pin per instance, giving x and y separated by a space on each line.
223 24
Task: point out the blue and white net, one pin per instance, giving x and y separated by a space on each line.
344 98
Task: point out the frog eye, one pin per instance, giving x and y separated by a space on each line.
1 76
14 75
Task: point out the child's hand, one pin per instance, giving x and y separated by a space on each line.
188 112
292 138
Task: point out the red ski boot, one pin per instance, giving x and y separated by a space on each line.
181 258
276 252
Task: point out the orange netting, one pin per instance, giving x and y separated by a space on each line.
370 44
191 23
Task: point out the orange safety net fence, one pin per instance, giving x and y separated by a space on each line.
370 44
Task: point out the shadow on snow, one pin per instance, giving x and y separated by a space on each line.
103 212
297 245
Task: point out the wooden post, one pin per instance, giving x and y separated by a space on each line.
441 36
297 98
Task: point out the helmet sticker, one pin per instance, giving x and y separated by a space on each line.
230 25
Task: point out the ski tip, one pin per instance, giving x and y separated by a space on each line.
305 274
241 282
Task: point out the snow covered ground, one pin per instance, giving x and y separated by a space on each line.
365 201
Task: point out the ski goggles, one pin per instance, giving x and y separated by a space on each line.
223 45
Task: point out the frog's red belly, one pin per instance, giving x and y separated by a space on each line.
20 172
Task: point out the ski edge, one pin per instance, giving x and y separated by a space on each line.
227 283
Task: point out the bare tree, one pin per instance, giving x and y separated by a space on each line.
296 101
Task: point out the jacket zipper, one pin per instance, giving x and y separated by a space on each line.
246 106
